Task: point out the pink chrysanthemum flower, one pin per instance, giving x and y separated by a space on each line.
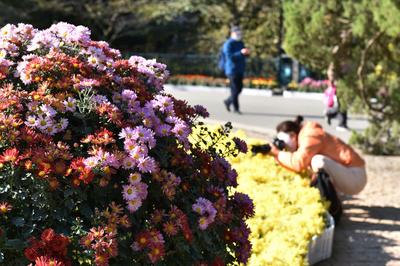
128 163
130 192
134 204
147 165
134 178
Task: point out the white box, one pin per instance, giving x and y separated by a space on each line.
320 247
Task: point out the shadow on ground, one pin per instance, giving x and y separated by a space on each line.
366 235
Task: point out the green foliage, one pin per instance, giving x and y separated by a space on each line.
383 139
359 39
311 31
195 26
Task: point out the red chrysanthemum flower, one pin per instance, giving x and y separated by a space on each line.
51 246
10 155
124 221
78 164
170 228
228 236
87 240
157 251
31 254
143 239
5 207
101 259
157 216
48 235
85 173
44 169
218 262
29 135
46 261
86 176
59 243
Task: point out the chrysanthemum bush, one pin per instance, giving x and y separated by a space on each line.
288 212
95 163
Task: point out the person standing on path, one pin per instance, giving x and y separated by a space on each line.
235 54
332 102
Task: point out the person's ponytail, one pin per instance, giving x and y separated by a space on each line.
290 126
299 119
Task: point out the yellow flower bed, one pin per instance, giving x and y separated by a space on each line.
288 212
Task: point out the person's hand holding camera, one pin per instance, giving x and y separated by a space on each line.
270 148
274 151
245 51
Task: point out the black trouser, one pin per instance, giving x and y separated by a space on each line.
342 116
236 84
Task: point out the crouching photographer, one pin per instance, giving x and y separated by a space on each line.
334 162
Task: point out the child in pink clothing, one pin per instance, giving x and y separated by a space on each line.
331 102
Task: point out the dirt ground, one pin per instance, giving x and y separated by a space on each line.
369 232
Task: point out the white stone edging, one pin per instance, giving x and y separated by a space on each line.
304 95
247 91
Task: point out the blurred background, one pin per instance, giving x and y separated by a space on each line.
184 34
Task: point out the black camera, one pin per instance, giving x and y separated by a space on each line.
266 148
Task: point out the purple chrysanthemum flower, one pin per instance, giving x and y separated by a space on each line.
244 203
126 133
139 152
201 111
205 208
163 130
130 192
240 145
147 165
128 163
128 95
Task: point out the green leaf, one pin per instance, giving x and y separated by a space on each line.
28 232
17 244
68 192
69 204
86 211
18 221
39 215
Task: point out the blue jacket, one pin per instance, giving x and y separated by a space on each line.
235 61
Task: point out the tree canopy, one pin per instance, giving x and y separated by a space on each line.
359 39
174 26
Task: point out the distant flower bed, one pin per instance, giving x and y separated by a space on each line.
260 83
309 85
203 80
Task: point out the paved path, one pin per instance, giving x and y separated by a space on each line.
369 234
262 113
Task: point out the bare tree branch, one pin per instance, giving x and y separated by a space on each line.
360 72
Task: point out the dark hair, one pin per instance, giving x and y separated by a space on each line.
290 126
235 28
